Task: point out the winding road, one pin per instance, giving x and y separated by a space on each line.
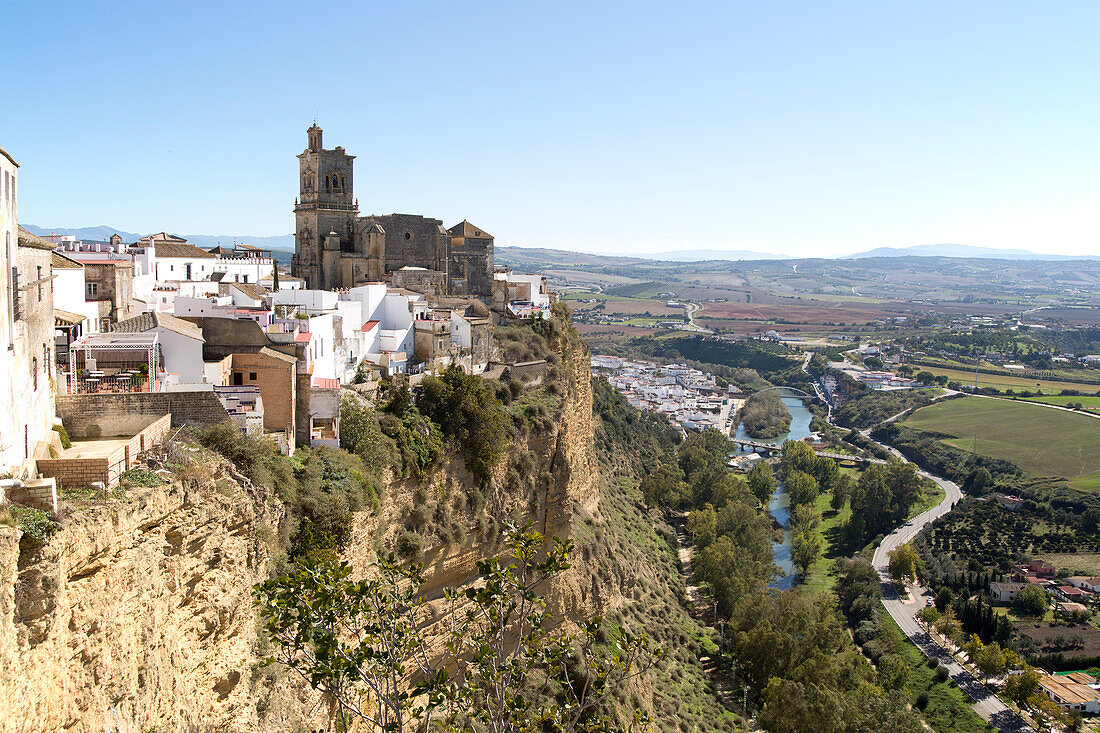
986 704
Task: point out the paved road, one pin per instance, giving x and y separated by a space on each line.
986 704
690 309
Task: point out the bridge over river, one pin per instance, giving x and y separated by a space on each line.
772 448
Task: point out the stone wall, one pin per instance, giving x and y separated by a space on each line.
37 493
73 472
98 415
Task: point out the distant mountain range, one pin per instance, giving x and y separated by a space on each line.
703 255
529 255
963 250
103 233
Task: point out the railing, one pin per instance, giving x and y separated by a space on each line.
93 383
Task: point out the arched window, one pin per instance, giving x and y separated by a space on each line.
326 183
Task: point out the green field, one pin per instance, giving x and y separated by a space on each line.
1004 381
1090 403
1037 439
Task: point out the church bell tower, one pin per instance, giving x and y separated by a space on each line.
326 203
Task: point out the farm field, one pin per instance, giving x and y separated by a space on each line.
1041 441
1003 382
1091 403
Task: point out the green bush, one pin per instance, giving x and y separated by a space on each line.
63 435
410 545
471 417
35 523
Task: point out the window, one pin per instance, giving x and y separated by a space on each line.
238 379
14 295
252 376
39 283
46 363
92 289
104 324
408 236
34 373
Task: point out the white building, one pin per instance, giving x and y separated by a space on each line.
180 343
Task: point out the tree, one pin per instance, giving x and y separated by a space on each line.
801 487
797 456
842 487
978 479
762 482
990 660
905 370
872 362
942 380
903 563
361 641
926 377
1031 601
943 599
701 523
805 517
949 626
275 278
805 551
665 487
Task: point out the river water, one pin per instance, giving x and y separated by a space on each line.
780 505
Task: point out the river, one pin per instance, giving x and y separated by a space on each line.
779 505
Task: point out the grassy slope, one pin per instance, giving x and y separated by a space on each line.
1039 440
634 545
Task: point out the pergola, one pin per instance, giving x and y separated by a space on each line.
117 347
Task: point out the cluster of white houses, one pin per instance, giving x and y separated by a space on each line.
103 321
691 398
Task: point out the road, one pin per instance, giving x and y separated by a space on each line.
690 309
986 704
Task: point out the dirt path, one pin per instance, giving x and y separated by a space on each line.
702 610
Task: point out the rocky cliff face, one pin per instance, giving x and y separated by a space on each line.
137 615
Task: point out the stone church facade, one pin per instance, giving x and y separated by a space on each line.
336 248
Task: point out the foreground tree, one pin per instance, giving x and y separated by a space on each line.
361 642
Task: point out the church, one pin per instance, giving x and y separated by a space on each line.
336 248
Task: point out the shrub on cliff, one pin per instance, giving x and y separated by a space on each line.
470 416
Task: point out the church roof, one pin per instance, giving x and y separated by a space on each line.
162 237
466 229
374 228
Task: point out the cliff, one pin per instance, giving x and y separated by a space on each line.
137 614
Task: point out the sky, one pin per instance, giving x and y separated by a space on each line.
803 129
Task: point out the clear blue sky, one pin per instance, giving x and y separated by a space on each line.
800 128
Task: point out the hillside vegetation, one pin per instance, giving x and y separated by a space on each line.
870 408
